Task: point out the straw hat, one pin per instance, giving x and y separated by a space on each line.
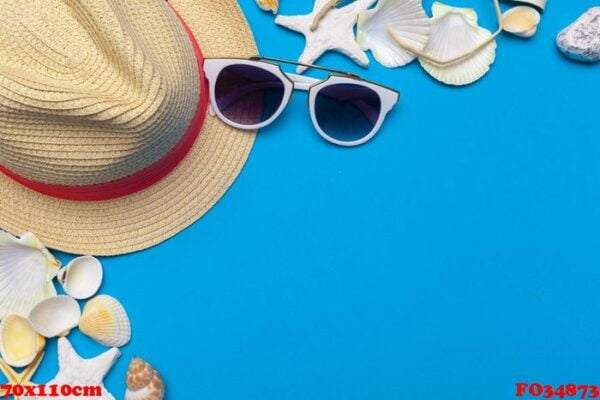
105 144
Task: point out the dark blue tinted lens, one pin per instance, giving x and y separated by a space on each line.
347 112
248 95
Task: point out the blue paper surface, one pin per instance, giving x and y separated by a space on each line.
450 258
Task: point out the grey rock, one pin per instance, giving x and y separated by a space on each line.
581 40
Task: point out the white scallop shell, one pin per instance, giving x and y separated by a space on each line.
104 319
19 342
143 382
454 31
82 277
406 17
521 21
55 316
26 272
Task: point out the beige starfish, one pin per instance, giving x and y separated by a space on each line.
334 31
23 378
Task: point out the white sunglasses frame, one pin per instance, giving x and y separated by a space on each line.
291 82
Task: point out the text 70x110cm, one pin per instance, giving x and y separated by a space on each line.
50 391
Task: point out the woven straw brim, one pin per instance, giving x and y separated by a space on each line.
151 216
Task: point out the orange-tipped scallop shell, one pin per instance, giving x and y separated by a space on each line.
269 5
105 320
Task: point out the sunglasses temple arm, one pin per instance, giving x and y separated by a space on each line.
404 44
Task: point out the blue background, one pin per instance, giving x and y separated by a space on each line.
451 257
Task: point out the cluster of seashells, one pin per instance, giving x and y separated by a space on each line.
450 46
31 311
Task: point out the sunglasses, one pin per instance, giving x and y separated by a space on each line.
251 93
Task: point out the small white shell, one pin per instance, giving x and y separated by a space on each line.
55 316
143 382
19 342
26 272
521 21
82 277
454 31
104 319
541 4
406 17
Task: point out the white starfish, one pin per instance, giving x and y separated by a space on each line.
335 32
86 373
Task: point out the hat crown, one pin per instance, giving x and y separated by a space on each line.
92 91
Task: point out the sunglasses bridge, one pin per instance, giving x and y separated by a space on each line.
301 82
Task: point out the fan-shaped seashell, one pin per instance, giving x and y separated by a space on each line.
55 316
454 31
104 319
19 342
521 21
82 277
26 272
406 17
143 382
269 5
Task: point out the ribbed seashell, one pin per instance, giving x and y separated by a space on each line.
408 20
454 31
19 342
269 5
82 277
143 382
26 272
521 21
55 316
104 319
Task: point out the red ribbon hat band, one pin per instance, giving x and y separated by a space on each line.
144 178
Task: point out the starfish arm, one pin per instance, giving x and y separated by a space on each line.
32 368
66 353
352 49
311 53
297 23
8 372
104 362
107 395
